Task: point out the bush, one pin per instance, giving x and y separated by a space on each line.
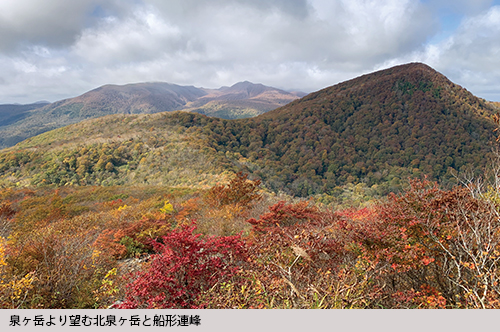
443 244
184 267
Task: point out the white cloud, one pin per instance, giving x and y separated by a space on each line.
63 48
471 56
139 38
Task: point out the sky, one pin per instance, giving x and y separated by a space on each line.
56 49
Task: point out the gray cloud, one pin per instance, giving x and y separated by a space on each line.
328 36
467 7
73 46
51 23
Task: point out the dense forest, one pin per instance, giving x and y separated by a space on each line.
379 192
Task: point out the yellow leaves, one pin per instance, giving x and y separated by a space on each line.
95 257
3 243
95 254
108 288
14 291
121 208
167 208
110 273
469 265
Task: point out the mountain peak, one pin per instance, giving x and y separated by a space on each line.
245 84
411 77
376 130
413 71
248 89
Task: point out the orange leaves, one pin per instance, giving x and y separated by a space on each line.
427 260
445 239
188 209
418 249
282 214
131 239
426 298
239 191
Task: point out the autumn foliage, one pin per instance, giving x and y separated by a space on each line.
239 191
183 266
233 246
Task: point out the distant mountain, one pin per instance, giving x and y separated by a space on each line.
376 130
11 113
239 101
15 113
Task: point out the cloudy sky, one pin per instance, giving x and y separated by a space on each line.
55 49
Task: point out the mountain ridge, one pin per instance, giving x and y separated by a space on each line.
147 97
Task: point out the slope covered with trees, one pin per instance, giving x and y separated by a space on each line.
113 150
376 130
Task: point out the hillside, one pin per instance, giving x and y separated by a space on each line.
376 130
113 150
239 101
382 127
153 210
11 113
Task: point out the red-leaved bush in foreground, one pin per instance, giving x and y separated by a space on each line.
185 265
442 246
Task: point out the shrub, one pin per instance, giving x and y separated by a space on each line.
446 242
239 191
184 266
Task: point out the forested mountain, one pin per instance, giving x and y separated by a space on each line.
170 210
378 129
11 113
242 100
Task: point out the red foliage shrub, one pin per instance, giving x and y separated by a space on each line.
429 238
304 258
185 265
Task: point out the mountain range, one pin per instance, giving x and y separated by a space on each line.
244 99
375 130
